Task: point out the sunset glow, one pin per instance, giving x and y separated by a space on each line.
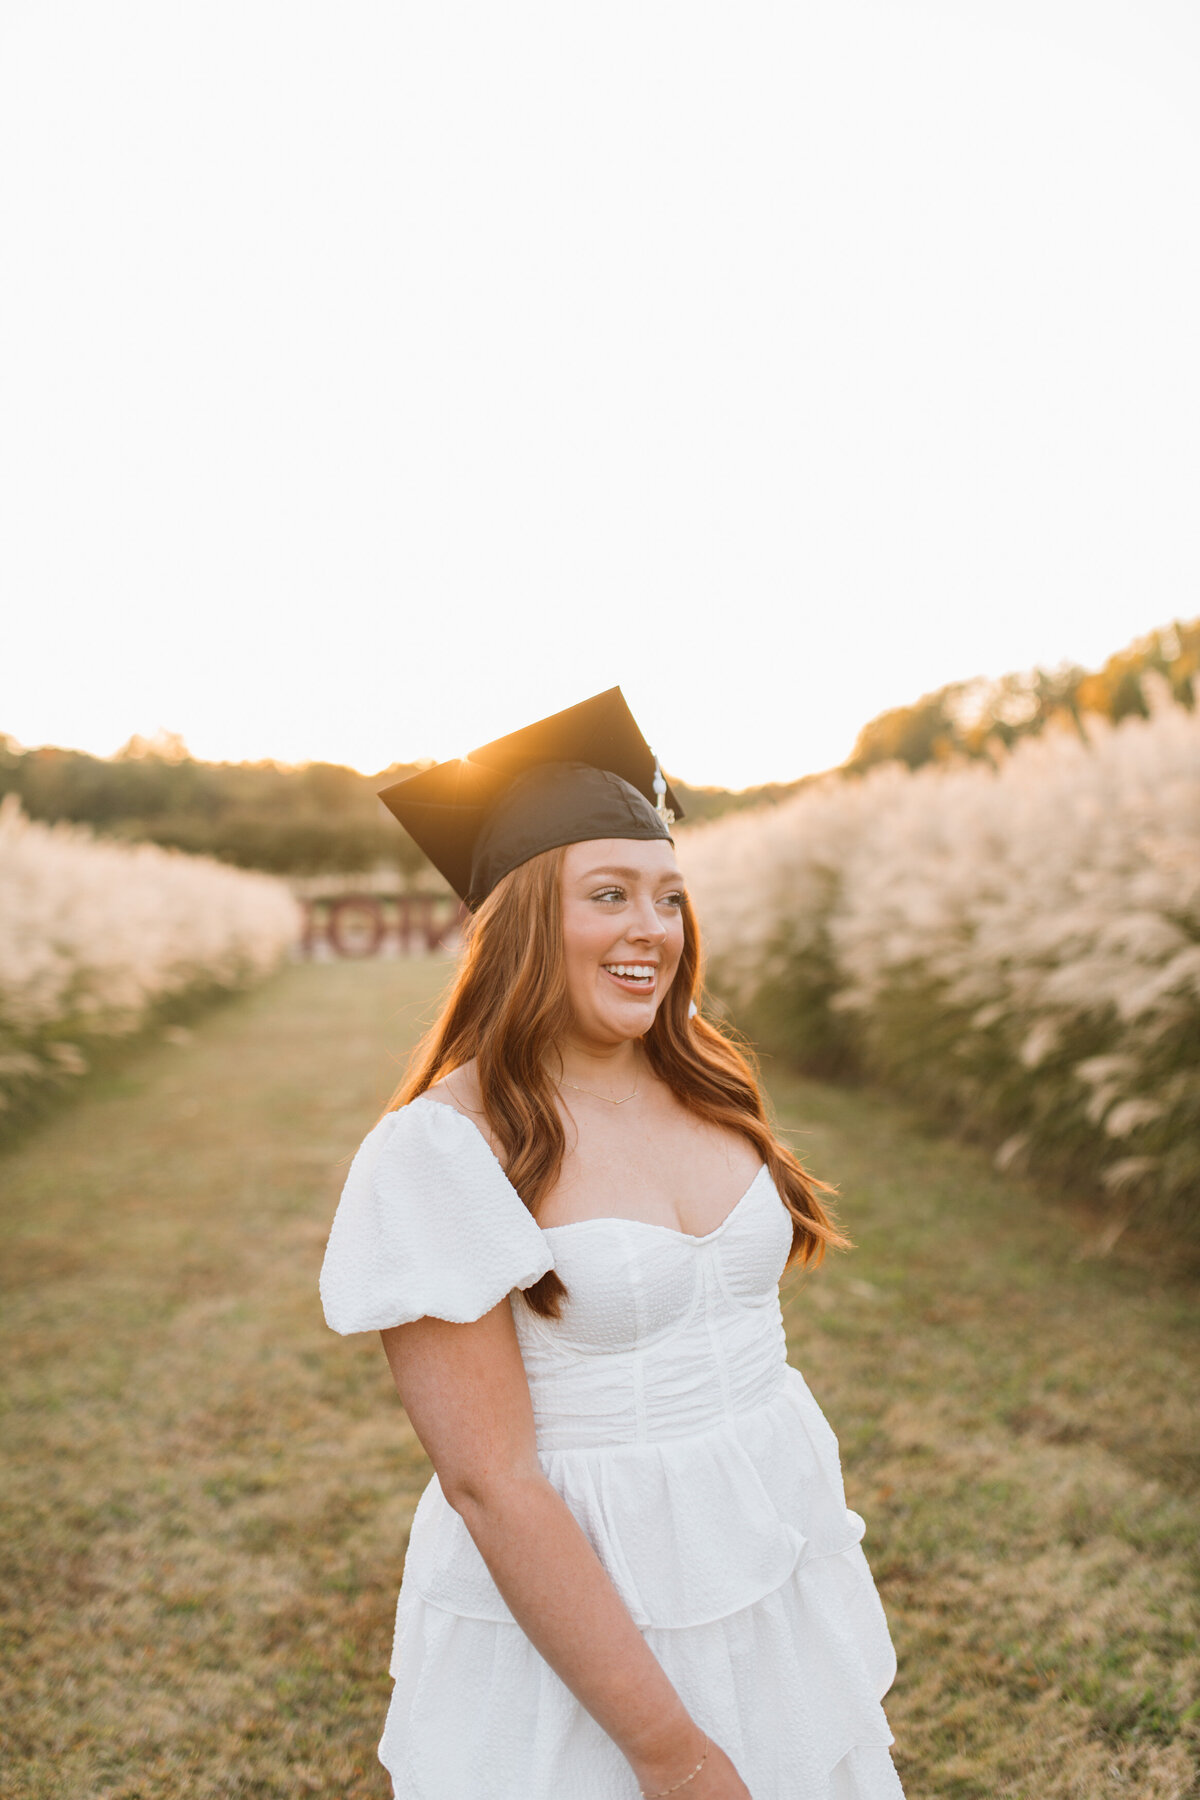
381 379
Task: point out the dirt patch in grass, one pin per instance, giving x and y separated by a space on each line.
207 1495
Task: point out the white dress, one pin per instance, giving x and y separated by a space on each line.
696 1460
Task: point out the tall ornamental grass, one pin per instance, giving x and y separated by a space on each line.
99 939
1015 945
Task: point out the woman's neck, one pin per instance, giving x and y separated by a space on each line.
609 1069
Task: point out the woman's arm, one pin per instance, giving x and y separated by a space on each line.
465 1391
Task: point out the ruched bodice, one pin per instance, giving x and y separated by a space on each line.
693 1456
663 1334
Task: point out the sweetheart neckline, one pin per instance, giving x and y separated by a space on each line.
689 1237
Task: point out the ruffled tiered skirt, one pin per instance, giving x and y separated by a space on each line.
738 1559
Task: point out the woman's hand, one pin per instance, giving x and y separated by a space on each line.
717 1779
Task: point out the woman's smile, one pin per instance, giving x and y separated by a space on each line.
634 977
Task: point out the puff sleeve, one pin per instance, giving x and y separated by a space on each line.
428 1225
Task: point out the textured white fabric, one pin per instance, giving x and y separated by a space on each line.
696 1460
427 1226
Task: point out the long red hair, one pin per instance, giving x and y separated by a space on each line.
508 1007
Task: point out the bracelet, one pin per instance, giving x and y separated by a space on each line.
663 1792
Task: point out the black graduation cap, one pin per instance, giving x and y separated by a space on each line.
584 773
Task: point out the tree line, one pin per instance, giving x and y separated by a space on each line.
314 819
323 818
971 718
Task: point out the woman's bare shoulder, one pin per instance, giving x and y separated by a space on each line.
461 1091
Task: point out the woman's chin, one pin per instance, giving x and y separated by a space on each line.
614 1024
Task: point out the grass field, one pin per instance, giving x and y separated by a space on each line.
206 1494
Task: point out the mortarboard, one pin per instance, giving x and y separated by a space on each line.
583 773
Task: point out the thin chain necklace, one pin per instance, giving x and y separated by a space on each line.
623 1101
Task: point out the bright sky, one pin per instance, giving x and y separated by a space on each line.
379 377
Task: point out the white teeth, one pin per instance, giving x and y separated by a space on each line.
632 971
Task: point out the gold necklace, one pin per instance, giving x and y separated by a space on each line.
623 1101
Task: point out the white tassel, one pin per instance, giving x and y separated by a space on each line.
660 795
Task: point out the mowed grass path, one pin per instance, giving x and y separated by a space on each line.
206 1494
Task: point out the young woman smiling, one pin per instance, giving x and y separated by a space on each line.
634 1572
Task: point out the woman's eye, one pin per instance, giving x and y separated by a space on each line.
618 894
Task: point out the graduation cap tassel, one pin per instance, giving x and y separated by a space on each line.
660 795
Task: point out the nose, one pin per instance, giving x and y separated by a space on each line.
646 927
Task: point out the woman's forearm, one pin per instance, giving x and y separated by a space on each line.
560 1594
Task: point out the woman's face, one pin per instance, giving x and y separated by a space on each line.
622 907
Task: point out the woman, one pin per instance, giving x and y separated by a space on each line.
634 1572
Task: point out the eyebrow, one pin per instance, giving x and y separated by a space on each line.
674 876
